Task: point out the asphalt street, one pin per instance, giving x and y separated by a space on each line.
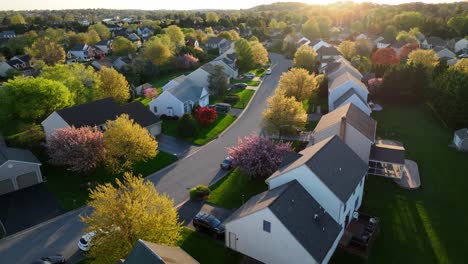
200 166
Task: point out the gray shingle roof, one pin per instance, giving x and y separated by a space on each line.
99 111
338 102
187 90
334 163
342 65
214 41
462 133
388 153
436 41
300 213
78 47
7 153
345 77
151 253
353 116
328 51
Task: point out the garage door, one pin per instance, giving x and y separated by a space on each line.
26 180
6 186
155 130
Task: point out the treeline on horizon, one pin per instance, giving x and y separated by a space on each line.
360 17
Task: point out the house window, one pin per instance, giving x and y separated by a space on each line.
266 226
155 108
344 209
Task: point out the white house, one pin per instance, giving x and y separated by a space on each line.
230 71
81 52
200 75
361 36
340 66
180 99
461 45
283 225
21 64
7 34
316 45
331 172
96 113
174 82
221 44
460 139
446 54
347 89
104 46
352 125
19 169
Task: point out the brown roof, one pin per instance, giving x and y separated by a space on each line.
353 116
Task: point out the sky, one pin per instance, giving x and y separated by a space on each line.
166 4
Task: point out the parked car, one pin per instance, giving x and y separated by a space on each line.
85 241
209 224
226 164
221 107
55 259
240 85
249 75
268 71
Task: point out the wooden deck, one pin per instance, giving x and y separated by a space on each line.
359 236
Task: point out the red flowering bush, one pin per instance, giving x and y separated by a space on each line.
206 115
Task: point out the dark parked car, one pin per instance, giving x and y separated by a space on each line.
226 164
55 259
209 224
240 85
221 107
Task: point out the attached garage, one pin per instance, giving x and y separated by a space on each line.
19 169
6 186
27 179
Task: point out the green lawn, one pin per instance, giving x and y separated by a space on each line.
247 81
70 187
245 95
204 134
427 225
228 191
145 101
206 250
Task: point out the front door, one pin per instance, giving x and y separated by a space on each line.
169 111
232 241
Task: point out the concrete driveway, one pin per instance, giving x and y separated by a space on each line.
60 235
176 146
27 207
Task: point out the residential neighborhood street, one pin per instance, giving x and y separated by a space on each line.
199 166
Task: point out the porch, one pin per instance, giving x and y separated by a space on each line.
360 234
387 160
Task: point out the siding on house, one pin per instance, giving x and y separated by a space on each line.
53 122
276 247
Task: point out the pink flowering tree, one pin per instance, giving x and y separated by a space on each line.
150 92
375 84
186 61
79 149
258 156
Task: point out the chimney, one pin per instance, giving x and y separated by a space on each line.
343 128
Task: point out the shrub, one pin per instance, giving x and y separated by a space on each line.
150 93
30 138
205 115
186 126
232 99
199 192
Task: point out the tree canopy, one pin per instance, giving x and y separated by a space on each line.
427 58
245 59
297 83
260 54
111 84
218 83
311 29
32 98
157 52
126 142
385 56
175 35
47 51
284 114
122 46
102 30
131 209
306 58
348 49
